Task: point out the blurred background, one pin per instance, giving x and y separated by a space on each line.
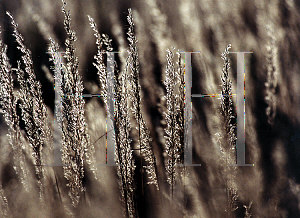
271 187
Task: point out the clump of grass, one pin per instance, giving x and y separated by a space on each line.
119 110
33 113
75 139
33 108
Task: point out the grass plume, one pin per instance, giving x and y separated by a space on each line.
144 139
33 108
174 116
228 145
75 137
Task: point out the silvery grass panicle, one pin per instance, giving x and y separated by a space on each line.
122 126
144 138
103 45
124 156
75 138
226 101
8 102
179 106
55 58
174 116
33 108
170 116
228 145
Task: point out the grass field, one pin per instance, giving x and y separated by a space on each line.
148 108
